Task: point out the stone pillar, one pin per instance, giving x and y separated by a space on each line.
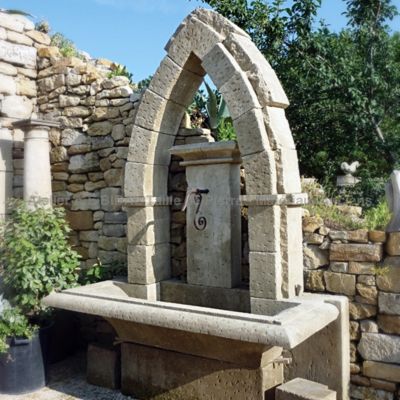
37 170
393 199
6 169
213 220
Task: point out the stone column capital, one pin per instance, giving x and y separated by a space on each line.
33 123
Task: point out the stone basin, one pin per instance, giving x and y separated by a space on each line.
284 324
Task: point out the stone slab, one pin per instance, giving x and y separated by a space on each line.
302 389
388 372
278 128
355 252
389 303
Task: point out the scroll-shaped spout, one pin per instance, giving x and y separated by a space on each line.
200 223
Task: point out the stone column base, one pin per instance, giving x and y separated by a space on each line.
151 373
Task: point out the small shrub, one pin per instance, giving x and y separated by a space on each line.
43 26
121 70
36 256
66 46
377 218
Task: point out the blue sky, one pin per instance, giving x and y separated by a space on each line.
132 32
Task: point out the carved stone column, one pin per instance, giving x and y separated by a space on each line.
37 171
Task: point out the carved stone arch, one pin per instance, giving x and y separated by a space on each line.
206 42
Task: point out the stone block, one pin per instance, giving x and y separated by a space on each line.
148 225
291 251
148 264
148 147
85 204
362 268
100 128
389 303
145 180
389 324
313 238
362 311
333 368
260 73
193 36
369 294
114 218
355 252
260 173
341 267
89 236
84 163
221 24
71 137
369 326
101 142
389 280
264 228
114 177
157 114
220 65
112 257
103 366
7 69
302 389
314 257
278 128
7 85
265 275
380 347
18 54
377 236
312 224
80 220
314 281
174 83
239 95
251 133
16 107
39 37
109 199
114 230
388 372
340 283
366 393
287 166
112 243
393 244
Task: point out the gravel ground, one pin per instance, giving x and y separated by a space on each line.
67 382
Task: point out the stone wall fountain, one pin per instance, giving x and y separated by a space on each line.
210 337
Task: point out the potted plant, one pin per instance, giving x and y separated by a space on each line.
35 258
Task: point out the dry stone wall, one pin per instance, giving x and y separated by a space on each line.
358 264
19 42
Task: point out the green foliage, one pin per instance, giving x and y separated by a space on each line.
121 70
144 83
66 46
14 324
99 273
216 108
378 218
35 256
344 87
226 131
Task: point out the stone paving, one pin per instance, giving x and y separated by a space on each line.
67 382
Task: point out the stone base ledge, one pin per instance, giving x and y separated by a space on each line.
145 201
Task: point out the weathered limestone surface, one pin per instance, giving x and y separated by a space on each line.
380 347
18 54
381 371
355 252
302 389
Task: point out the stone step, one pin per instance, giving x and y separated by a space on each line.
302 389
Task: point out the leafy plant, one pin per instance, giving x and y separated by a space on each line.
43 26
35 256
14 324
216 107
98 273
226 131
121 70
66 46
378 218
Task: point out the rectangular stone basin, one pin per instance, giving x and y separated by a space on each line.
284 324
